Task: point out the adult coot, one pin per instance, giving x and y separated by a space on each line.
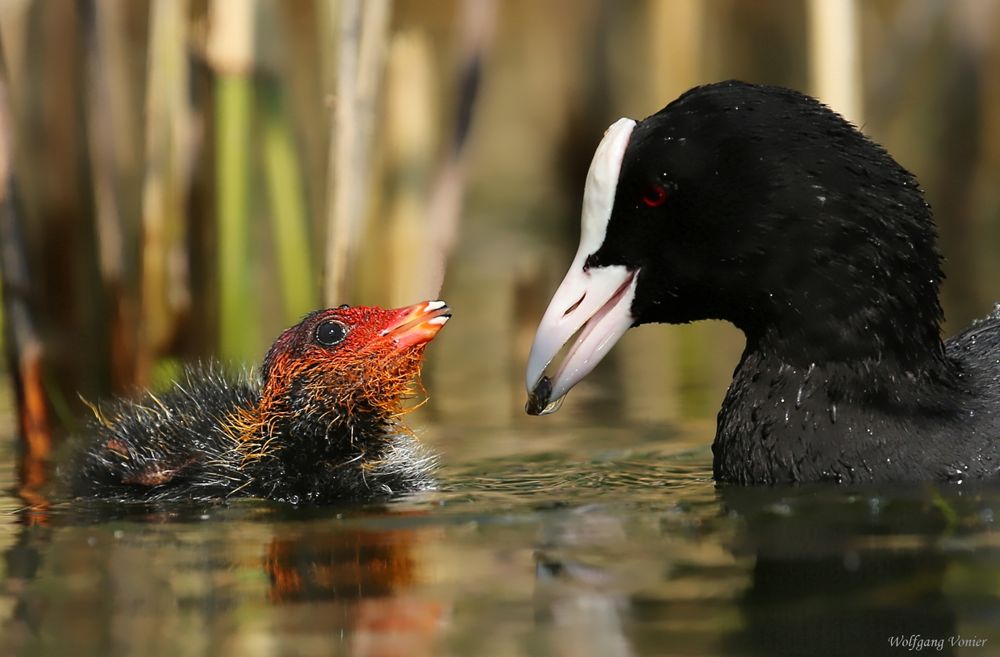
761 206
321 424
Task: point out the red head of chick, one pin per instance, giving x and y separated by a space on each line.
321 424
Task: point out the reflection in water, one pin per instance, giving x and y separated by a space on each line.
365 576
831 572
590 553
823 581
22 562
579 603
106 579
21 614
846 603
345 565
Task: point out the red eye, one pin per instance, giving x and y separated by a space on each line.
654 195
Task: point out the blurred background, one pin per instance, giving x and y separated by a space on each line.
190 177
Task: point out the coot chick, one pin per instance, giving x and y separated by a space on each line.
321 424
761 206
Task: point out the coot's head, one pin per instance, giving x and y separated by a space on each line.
347 362
753 204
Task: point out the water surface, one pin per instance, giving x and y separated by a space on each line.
615 542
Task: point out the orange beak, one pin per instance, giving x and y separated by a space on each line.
417 324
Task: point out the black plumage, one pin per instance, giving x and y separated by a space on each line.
771 211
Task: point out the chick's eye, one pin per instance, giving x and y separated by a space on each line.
653 195
330 333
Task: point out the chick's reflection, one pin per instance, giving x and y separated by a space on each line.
369 578
346 565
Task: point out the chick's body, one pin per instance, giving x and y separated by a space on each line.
321 425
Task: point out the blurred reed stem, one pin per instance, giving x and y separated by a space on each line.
835 57
363 33
166 293
409 134
106 105
22 342
477 24
230 51
289 221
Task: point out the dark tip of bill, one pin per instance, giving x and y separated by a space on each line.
538 399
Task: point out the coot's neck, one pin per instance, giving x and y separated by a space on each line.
806 412
878 342
866 350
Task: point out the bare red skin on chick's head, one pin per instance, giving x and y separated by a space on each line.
347 362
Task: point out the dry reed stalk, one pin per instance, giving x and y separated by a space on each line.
676 33
410 134
166 293
362 41
425 201
306 40
15 19
25 350
441 219
835 56
106 106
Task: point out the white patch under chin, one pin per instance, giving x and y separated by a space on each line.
599 192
